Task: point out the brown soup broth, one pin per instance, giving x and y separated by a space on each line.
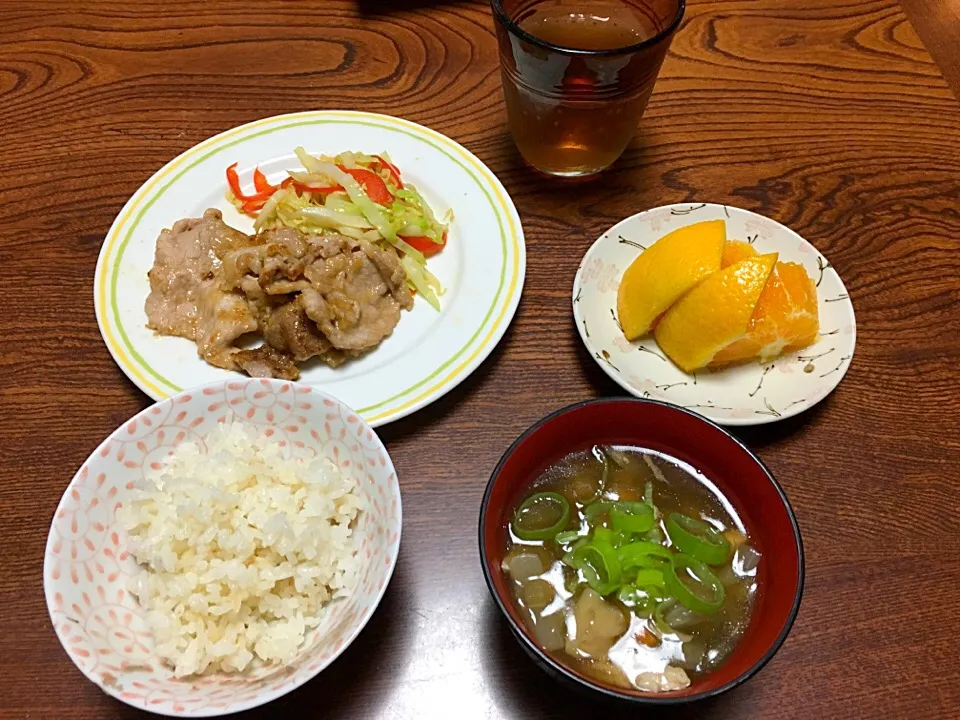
602 637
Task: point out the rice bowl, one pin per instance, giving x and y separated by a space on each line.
90 567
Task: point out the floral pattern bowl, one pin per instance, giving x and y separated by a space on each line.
86 567
747 394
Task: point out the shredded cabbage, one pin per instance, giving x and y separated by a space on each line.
308 161
353 213
359 198
417 275
327 218
417 213
269 209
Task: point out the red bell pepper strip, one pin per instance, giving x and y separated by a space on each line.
372 184
425 245
393 170
260 182
303 187
233 181
260 197
251 207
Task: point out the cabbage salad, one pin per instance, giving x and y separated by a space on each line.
357 195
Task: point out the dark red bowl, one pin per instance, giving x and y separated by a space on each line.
739 474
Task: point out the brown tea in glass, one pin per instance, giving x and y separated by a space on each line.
577 75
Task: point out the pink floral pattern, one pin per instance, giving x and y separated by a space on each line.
86 566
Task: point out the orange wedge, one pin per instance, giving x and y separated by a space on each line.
785 318
734 251
714 314
665 271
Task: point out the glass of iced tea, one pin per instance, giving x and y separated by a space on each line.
577 75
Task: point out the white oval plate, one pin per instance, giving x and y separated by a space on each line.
428 354
748 394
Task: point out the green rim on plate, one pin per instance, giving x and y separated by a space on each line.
509 281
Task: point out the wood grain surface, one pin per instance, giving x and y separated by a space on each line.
938 24
827 115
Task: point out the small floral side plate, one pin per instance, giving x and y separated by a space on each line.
748 394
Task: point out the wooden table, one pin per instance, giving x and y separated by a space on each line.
828 115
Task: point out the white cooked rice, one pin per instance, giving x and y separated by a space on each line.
239 550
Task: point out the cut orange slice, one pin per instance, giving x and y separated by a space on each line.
665 271
714 314
785 318
734 251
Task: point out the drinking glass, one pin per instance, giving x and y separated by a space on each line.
577 75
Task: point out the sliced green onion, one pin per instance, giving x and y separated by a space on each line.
632 517
567 536
541 533
649 576
630 506
658 613
642 554
629 596
648 494
694 584
601 453
697 539
604 535
567 559
591 511
654 592
615 538
646 605
598 563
